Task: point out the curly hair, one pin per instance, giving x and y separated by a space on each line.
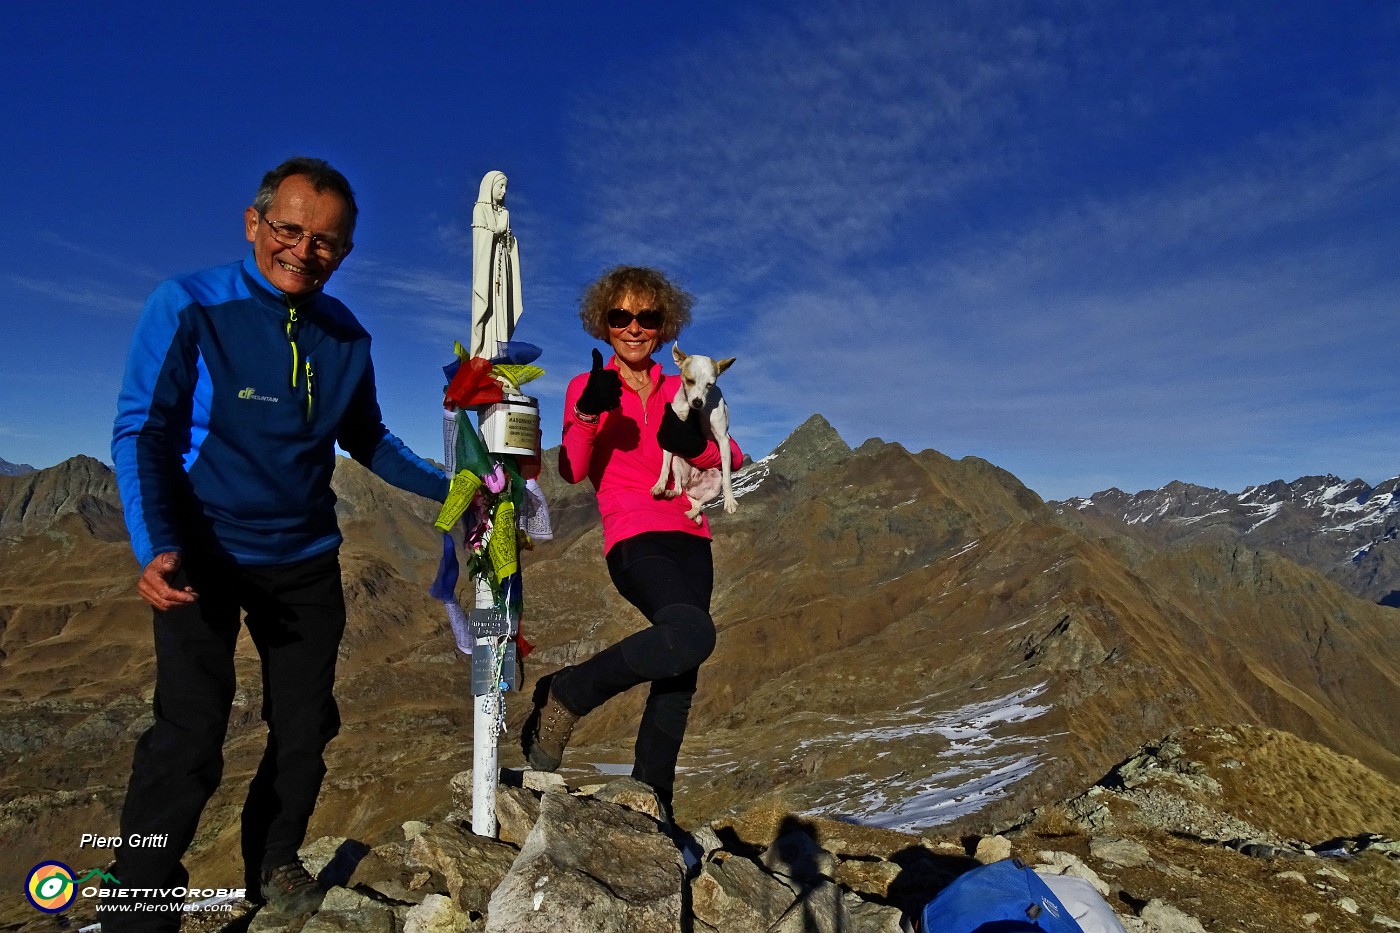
600 297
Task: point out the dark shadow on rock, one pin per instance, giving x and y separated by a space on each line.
1391 599
797 854
342 865
922 875
730 842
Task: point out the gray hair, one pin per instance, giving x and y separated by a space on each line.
317 171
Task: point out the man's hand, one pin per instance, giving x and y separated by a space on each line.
154 585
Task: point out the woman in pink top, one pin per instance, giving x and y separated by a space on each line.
617 421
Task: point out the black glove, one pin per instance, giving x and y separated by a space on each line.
603 391
682 438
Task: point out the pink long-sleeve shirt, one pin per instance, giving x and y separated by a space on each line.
620 455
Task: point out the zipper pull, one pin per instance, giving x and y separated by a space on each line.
309 375
292 339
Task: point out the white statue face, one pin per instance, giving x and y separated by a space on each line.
498 189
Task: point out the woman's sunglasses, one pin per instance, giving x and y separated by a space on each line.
648 319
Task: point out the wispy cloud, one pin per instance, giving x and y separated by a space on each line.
99 257
799 143
903 247
90 295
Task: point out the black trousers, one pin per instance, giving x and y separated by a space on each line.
296 616
668 576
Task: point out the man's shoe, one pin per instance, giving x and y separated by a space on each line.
546 733
291 890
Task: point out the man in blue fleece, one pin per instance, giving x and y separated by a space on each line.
240 382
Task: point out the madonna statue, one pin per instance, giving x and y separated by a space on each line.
495 269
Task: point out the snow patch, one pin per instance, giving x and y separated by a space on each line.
979 765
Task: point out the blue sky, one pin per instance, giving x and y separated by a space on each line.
1097 244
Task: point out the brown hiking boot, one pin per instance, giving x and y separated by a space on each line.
546 733
290 889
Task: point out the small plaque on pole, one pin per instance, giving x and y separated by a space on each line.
487 676
490 623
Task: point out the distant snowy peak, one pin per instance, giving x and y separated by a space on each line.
14 469
1347 529
1326 496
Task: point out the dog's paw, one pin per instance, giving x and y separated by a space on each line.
659 489
730 506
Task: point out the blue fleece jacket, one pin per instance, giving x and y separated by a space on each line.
233 402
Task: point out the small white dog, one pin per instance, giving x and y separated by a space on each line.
700 396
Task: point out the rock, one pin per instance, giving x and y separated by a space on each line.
1117 851
436 914
346 911
542 781
707 840
315 856
1327 871
734 893
992 849
1349 905
632 794
1381 920
819 910
413 829
471 866
869 917
589 865
796 855
1065 863
268 921
460 784
1291 876
516 812
389 872
1162 917
867 876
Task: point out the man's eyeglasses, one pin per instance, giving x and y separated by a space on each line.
647 319
327 247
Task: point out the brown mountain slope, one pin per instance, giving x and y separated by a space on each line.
905 639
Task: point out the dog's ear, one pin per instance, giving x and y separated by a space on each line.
722 365
678 353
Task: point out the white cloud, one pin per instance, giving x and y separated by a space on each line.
85 295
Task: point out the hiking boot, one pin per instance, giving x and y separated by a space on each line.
546 733
291 890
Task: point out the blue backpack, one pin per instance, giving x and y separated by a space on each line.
1003 897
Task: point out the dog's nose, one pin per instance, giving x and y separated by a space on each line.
697 404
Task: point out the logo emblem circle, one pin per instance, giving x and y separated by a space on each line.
49 887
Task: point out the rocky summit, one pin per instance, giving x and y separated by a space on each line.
1202 830
908 644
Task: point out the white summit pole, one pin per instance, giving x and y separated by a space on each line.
495 312
485 753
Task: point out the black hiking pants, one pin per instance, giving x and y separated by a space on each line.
295 615
668 575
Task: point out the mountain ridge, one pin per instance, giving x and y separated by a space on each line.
1347 529
14 469
905 640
